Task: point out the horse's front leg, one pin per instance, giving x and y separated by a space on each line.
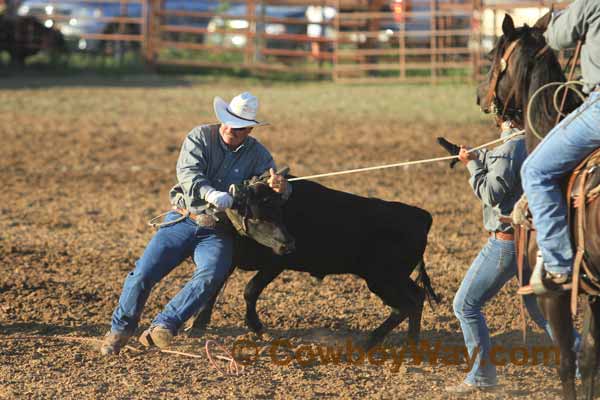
590 353
558 313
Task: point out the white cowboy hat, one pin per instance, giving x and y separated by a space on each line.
240 113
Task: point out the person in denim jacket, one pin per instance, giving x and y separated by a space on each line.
495 180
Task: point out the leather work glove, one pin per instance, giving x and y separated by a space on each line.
519 213
221 200
451 148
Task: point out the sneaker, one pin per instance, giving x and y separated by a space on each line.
158 336
113 343
466 388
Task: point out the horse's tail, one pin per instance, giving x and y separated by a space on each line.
424 281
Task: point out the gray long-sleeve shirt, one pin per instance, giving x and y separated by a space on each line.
205 162
580 19
496 180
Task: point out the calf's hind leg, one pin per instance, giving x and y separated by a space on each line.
405 301
251 293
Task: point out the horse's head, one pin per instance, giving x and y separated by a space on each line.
257 213
521 62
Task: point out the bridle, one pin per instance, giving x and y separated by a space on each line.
502 110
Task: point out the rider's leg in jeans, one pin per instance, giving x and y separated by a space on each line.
542 173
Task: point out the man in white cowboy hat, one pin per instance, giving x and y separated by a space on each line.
212 158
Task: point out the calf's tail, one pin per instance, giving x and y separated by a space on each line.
424 281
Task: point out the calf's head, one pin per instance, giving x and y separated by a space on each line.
257 213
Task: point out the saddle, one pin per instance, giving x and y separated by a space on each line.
582 188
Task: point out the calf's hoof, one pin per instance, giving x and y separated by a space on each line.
254 325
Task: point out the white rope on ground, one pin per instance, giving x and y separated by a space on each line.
79 339
233 366
406 163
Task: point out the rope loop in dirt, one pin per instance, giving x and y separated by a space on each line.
232 368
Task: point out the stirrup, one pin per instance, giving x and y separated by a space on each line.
537 285
525 290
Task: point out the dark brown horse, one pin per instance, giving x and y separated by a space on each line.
521 64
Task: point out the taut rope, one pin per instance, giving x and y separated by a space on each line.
406 163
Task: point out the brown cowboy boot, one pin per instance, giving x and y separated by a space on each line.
158 336
113 343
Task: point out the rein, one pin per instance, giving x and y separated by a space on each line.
497 73
570 78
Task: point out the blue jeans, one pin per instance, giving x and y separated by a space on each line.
212 254
558 154
495 265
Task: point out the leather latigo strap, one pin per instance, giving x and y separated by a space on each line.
521 235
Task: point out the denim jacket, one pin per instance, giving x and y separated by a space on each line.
496 180
580 19
205 162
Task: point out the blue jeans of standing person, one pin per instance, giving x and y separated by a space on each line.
495 265
212 254
558 154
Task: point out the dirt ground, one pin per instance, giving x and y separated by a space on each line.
85 164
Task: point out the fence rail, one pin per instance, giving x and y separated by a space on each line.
346 40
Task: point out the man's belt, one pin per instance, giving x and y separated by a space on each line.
503 235
204 220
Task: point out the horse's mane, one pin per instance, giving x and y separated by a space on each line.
534 68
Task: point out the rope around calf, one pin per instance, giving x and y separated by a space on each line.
406 163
